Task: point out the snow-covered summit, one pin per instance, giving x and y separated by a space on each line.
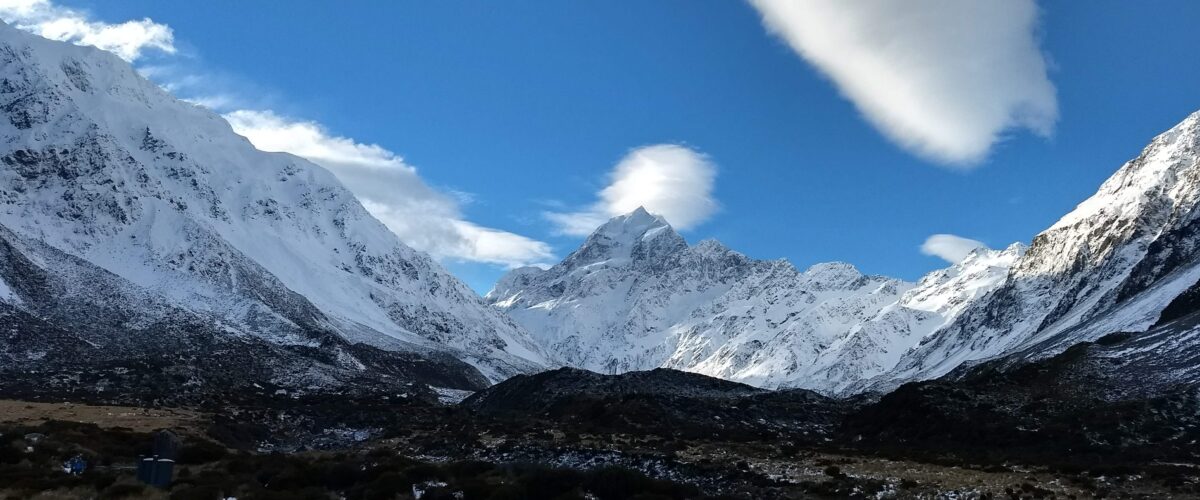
631 225
636 236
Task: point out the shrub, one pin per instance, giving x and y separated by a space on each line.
342 475
198 492
201 451
123 490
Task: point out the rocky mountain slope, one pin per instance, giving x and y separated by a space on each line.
1126 397
1111 265
636 296
128 217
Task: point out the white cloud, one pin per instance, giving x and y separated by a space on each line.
127 40
951 248
423 217
942 78
271 132
666 179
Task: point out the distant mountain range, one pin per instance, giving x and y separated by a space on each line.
636 296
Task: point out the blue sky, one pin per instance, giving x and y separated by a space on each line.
510 110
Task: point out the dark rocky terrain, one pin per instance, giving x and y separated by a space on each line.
1115 418
657 434
661 402
1127 398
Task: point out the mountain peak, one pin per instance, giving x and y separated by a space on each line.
1016 249
711 246
833 268
984 256
633 223
637 235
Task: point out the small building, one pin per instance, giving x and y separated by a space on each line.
157 470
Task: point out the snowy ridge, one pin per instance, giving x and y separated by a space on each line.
102 165
1110 265
635 296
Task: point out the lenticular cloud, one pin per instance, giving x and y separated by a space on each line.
944 79
667 179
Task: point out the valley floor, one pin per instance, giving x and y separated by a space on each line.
431 451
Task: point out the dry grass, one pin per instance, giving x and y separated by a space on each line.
137 419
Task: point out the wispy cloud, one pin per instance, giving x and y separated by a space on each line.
127 40
949 247
423 217
669 180
942 78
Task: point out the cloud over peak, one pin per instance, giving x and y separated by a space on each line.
949 247
667 179
944 79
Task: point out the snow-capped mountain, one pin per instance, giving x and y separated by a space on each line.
124 211
609 305
1111 265
829 338
635 296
